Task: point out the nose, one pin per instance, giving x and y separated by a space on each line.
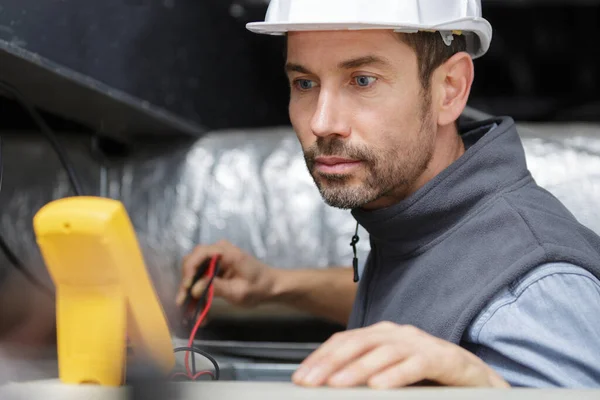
328 118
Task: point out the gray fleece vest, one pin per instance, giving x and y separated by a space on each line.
438 257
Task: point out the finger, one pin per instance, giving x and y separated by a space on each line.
459 367
370 335
196 291
199 255
182 291
410 371
334 354
445 364
223 288
235 291
360 370
199 287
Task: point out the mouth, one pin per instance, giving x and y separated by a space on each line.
335 165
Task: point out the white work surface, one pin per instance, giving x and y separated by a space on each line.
53 390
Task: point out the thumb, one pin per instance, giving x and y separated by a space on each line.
199 287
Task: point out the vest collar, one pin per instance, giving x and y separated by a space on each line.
494 161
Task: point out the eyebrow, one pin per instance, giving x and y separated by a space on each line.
362 61
347 64
291 67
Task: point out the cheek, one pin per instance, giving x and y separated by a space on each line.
300 120
390 125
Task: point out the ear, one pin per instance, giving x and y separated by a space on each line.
453 81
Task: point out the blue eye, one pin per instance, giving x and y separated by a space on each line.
304 84
364 81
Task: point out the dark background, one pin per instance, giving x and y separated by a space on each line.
197 60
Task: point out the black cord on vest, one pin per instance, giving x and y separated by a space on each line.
355 240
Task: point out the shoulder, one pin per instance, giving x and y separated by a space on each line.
553 284
553 273
553 225
551 277
549 314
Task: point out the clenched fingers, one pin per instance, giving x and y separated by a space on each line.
191 262
358 372
419 367
334 354
199 255
410 371
389 356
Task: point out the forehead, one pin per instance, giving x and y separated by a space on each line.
333 47
320 51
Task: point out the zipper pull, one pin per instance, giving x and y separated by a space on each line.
353 243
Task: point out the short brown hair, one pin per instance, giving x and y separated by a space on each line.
432 51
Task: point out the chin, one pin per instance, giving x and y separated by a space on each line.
335 203
344 198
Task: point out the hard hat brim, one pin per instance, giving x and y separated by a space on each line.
477 48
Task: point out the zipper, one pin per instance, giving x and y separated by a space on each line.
370 275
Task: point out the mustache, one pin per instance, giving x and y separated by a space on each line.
339 148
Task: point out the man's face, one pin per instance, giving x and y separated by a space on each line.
360 113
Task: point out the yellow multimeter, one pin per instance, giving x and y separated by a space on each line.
104 295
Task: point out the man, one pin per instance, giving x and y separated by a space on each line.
476 276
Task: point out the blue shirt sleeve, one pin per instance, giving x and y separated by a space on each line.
544 330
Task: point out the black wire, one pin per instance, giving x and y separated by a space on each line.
18 265
75 185
12 258
204 295
3 271
45 129
1 165
205 355
201 303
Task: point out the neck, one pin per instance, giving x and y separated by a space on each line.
494 163
448 148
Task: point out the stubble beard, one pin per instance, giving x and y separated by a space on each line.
385 171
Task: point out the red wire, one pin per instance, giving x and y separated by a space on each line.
209 299
199 374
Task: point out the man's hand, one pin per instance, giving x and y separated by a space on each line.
386 356
243 280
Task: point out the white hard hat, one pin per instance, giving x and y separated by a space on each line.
445 16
